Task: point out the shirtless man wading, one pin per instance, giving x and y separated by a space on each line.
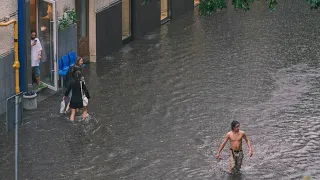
235 136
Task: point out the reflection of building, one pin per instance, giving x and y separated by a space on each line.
103 26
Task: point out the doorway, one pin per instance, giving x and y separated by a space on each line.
165 11
43 21
82 12
126 21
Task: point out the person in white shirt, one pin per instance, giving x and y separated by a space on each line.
36 50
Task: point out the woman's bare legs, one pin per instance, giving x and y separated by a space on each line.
84 112
73 114
67 108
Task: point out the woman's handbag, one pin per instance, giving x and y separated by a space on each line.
85 100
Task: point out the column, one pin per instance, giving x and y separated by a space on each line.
92 31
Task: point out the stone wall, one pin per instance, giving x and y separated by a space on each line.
8 8
61 4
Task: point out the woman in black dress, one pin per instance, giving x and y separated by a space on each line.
76 101
76 67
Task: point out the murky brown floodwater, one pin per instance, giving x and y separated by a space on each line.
162 105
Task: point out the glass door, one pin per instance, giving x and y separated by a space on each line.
47 34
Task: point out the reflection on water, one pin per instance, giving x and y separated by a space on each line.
161 106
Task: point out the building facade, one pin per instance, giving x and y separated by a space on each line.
41 16
102 27
119 22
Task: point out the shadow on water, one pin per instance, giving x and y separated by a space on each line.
224 175
235 176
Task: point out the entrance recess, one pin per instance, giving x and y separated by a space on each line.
82 11
43 20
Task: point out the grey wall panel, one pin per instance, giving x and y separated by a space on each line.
146 18
109 30
7 80
67 40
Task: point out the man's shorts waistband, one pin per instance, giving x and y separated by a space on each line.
236 150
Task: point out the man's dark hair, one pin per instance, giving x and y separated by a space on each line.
233 124
33 31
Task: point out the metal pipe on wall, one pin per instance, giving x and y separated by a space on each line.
16 63
16 66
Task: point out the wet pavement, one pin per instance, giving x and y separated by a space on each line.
161 106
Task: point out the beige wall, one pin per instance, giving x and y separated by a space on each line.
6 33
8 7
61 4
92 30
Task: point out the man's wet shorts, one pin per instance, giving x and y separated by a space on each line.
36 71
235 159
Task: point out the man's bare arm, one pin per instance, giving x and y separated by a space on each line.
225 140
249 143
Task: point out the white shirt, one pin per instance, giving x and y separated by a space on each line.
35 52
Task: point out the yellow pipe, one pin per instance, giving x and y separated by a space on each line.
16 63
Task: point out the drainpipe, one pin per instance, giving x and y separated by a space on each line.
16 64
21 44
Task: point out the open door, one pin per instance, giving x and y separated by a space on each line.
47 34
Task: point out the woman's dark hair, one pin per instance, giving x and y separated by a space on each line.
76 67
78 75
78 60
233 124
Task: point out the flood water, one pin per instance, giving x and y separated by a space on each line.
161 105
